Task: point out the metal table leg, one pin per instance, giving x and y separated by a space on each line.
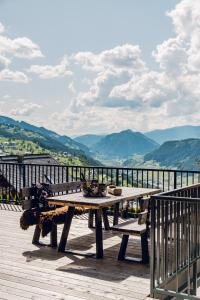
116 214
99 233
66 228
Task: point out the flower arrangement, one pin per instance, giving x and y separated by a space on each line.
92 188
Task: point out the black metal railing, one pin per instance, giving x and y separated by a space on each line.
175 243
14 176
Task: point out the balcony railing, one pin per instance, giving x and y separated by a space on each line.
175 243
13 177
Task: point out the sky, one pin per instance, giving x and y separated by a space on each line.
98 67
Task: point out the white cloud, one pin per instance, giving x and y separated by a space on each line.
20 47
16 76
6 96
151 88
99 90
186 18
4 62
113 67
72 88
171 56
124 57
97 119
25 109
122 85
48 71
2 28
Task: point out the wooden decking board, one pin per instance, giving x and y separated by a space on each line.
126 289
134 284
73 279
84 267
26 270
32 292
57 284
52 289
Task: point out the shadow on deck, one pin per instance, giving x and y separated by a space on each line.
30 272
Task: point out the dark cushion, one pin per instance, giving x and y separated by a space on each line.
45 218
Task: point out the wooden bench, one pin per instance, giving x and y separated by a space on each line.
134 227
60 188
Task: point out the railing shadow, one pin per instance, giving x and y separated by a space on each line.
11 207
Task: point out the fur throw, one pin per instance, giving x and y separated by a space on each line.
45 218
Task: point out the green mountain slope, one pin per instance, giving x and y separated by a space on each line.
183 154
23 148
12 129
62 139
124 143
174 133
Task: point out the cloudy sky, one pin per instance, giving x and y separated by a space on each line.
100 66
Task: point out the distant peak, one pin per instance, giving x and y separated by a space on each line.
127 131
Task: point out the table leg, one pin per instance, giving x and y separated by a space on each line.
116 214
53 236
36 235
99 233
105 218
66 228
91 219
141 203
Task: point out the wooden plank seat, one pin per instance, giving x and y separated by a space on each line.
46 219
134 227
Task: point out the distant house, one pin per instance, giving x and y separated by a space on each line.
10 144
67 154
20 171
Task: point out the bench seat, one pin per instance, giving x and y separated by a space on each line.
130 227
135 227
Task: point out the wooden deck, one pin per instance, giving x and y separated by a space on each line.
30 272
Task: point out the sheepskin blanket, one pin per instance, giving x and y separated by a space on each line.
46 218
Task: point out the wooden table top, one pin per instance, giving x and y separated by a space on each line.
77 199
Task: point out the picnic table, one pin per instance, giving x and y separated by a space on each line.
98 205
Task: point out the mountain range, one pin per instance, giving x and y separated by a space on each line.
176 147
159 135
174 133
123 144
180 146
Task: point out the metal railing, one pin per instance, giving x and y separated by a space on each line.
175 243
14 176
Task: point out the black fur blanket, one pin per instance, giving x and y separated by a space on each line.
45 219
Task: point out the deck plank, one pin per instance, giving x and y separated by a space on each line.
30 272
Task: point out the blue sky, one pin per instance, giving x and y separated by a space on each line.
87 66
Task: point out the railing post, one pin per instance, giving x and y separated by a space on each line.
117 177
195 270
153 244
24 175
67 174
175 180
